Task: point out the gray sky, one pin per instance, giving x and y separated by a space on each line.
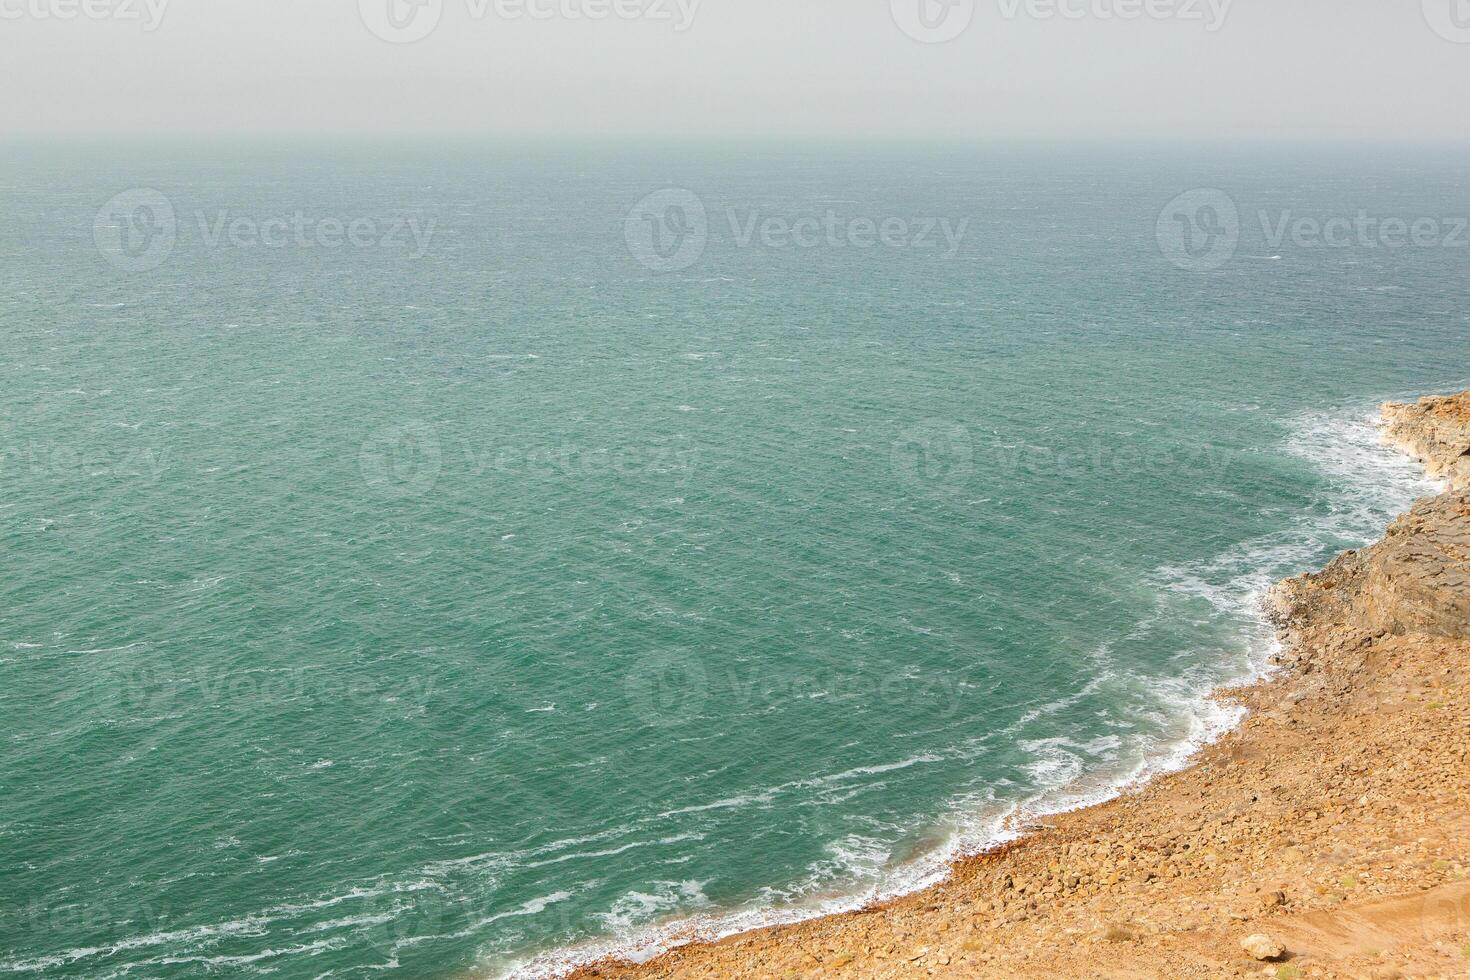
1385 70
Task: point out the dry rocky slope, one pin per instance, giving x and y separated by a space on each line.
1332 827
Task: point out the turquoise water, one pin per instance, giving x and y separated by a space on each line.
371 609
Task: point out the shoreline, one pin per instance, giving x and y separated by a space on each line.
686 932
983 901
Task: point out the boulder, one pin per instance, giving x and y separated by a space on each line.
1263 947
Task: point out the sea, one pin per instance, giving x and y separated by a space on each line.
469 559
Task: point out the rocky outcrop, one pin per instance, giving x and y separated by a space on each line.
1417 579
1435 431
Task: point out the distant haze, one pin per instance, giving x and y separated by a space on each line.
966 69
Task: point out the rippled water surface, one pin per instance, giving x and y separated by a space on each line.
417 606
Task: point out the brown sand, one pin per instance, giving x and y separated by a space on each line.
1334 821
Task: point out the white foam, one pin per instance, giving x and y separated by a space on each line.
859 871
637 908
251 925
109 649
533 906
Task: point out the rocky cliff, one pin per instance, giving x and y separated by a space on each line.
1435 431
1417 579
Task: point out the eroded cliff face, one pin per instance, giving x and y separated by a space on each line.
1417 579
1435 431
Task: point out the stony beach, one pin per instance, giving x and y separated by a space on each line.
1328 836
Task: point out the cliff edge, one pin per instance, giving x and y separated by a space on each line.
1417 579
1435 431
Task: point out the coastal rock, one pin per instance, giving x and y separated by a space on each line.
1435 431
1417 579
1263 947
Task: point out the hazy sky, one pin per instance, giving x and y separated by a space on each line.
1192 69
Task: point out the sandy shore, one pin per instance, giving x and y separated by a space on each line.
1333 825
